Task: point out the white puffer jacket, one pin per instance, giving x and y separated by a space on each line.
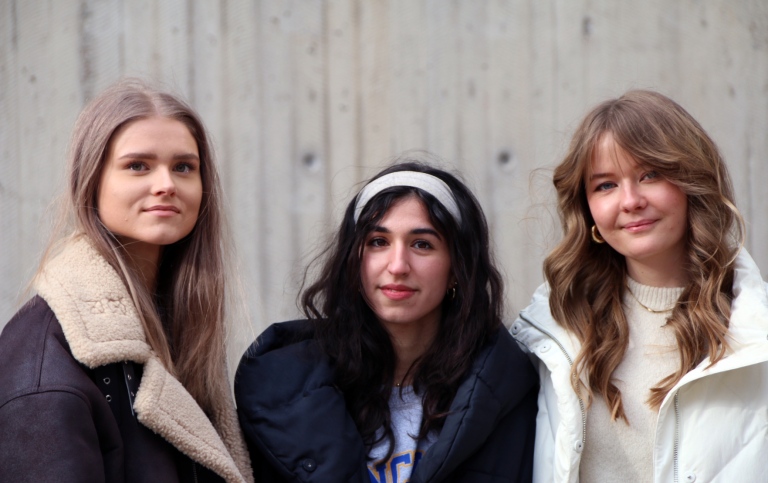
712 426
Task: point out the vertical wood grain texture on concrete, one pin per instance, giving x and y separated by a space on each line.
305 99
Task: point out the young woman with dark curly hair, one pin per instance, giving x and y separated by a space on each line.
403 370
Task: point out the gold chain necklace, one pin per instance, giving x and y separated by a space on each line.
653 311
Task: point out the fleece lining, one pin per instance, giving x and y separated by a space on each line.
102 327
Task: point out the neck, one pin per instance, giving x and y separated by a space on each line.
145 258
409 344
669 273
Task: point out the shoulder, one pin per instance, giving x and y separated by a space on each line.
502 354
749 307
28 326
283 361
289 409
280 340
535 327
504 368
538 308
32 333
36 357
281 335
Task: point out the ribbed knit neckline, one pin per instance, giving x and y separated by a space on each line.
656 298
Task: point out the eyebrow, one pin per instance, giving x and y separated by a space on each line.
415 231
599 175
178 157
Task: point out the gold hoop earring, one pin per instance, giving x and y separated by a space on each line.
596 236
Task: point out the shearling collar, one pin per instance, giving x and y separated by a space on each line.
102 327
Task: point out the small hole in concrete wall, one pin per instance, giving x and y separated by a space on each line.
310 161
507 162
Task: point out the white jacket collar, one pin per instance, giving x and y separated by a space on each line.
749 310
539 315
748 326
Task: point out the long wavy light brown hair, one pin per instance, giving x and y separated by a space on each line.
587 280
184 318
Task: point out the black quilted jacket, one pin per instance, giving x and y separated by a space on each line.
298 430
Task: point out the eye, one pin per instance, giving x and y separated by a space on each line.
422 245
650 175
377 242
136 166
605 186
184 168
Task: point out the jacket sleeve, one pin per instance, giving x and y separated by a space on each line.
49 436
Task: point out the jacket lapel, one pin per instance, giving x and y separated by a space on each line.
102 327
482 400
164 406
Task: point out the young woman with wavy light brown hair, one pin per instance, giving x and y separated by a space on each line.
650 333
116 370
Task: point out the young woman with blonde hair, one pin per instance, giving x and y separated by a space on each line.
651 331
116 370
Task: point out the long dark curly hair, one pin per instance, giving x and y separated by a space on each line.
360 347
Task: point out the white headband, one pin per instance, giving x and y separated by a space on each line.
431 184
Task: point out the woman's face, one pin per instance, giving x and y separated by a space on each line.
150 188
406 268
639 213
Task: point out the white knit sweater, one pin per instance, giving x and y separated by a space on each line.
615 451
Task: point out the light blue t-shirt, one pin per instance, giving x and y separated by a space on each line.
406 422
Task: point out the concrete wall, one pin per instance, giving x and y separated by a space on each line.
307 98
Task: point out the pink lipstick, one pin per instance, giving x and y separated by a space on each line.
397 292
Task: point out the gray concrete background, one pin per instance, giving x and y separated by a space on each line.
307 98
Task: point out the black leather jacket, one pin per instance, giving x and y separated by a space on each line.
63 422
297 427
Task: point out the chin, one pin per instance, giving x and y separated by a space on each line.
395 319
165 239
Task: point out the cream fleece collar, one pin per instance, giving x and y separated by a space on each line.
102 327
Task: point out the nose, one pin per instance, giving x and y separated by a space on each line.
398 261
163 182
632 197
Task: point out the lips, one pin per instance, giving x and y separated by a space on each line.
397 292
163 208
639 225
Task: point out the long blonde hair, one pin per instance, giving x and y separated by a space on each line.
587 280
190 335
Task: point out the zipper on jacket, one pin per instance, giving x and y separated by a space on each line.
676 447
570 361
194 471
